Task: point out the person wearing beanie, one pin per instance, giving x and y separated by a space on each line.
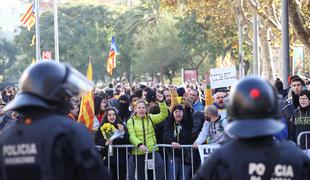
212 131
292 103
297 85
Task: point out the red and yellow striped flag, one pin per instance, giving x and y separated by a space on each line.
87 113
28 19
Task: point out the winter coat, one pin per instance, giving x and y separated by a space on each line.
301 124
141 130
213 132
181 132
100 140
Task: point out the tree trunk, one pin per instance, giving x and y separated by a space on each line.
300 28
265 57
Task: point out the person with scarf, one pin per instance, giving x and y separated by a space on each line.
100 104
123 108
302 120
178 132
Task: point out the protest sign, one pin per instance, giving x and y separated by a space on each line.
206 149
223 77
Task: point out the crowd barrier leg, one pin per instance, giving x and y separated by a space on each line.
304 146
164 159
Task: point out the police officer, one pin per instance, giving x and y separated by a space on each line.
45 144
252 153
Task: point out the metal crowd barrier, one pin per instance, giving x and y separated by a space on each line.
150 164
117 147
300 135
182 147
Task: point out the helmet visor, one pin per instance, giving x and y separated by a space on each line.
76 83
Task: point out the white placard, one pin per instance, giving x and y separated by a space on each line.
206 149
223 77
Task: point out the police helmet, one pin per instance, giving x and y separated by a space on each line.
253 109
48 83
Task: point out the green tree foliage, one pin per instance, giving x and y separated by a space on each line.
8 53
161 35
84 33
158 49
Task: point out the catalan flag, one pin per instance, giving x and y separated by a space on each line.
87 113
28 19
111 62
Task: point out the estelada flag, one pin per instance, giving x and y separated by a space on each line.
111 62
87 110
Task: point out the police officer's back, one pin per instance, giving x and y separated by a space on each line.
252 153
45 144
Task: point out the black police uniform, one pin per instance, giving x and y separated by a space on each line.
253 153
45 144
49 146
260 158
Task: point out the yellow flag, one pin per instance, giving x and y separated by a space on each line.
33 41
87 110
208 93
33 61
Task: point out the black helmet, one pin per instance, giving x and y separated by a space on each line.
48 83
253 109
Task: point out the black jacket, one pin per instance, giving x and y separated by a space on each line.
99 140
260 158
184 137
49 146
302 123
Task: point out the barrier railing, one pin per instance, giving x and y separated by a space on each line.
168 152
304 146
182 147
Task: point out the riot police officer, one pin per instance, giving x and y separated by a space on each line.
253 153
45 144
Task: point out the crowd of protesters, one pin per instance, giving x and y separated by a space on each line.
168 114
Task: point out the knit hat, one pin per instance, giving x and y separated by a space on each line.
150 96
212 110
181 91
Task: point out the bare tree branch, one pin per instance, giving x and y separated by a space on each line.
275 13
295 16
270 21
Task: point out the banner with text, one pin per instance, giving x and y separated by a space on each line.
223 77
206 149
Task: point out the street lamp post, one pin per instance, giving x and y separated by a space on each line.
255 43
240 55
38 50
285 43
56 31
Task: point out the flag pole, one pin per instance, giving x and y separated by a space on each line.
56 31
38 58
